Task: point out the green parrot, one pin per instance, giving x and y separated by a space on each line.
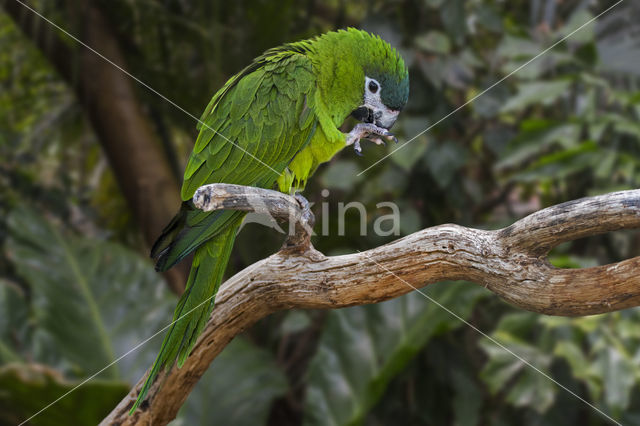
272 124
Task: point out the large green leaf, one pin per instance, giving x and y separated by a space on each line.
604 354
601 352
92 300
443 160
517 51
560 164
577 20
24 387
537 137
363 348
411 153
543 92
13 320
525 387
238 389
434 41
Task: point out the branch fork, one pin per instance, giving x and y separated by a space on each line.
511 262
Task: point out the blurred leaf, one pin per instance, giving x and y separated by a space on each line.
617 41
13 320
340 174
524 386
517 48
581 367
363 348
545 93
489 18
560 164
444 159
454 19
532 390
409 220
569 261
496 138
434 3
518 51
468 400
517 323
577 20
27 388
434 41
619 375
489 104
622 124
470 58
238 388
433 68
457 73
588 54
391 180
294 322
408 155
535 138
88 294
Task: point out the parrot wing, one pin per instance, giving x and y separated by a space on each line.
249 133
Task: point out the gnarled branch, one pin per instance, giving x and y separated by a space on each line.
511 262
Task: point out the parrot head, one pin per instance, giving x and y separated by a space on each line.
362 75
384 81
382 102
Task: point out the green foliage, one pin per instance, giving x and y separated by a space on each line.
529 93
76 292
531 389
608 367
26 386
238 389
84 294
363 348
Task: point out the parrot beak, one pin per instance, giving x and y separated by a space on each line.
385 117
379 115
363 113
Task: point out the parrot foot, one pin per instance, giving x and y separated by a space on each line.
299 237
368 131
304 203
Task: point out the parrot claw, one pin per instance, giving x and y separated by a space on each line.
300 234
368 131
357 148
304 203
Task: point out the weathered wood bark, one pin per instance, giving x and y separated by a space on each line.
123 129
510 262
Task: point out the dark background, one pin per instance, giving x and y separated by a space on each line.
91 162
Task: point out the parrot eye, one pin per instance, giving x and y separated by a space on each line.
373 86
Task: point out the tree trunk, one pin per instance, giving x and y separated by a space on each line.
123 129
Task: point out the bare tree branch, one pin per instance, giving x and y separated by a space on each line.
511 262
280 206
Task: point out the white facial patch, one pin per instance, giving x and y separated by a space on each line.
383 116
372 90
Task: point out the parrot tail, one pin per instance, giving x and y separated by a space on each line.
188 230
195 305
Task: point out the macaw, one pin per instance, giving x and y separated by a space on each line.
271 125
